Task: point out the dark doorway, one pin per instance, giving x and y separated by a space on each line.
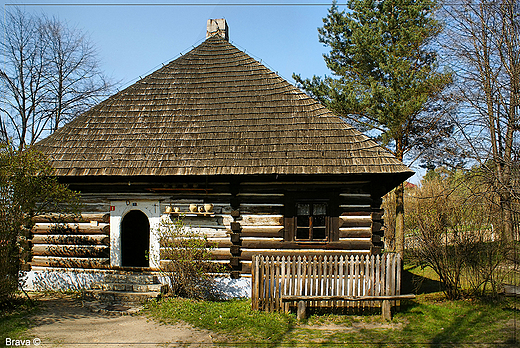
135 239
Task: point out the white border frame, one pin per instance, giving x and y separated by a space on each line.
118 209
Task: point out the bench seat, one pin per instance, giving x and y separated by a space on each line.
385 306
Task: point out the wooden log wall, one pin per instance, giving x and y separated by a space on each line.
361 218
74 242
259 224
248 218
257 233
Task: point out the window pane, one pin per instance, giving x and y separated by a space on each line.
319 209
302 221
302 233
318 221
311 221
318 233
303 209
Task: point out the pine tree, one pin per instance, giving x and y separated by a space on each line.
386 78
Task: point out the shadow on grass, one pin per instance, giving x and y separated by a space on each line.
464 328
461 323
413 283
15 317
278 341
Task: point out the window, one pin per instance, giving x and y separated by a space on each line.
311 217
311 221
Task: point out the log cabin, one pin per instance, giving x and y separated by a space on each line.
264 167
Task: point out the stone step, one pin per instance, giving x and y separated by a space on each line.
113 309
131 278
132 287
120 297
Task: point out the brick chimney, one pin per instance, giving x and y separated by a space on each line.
217 27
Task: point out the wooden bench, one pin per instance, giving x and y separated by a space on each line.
318 279
385 305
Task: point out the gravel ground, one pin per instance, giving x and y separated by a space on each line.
65 321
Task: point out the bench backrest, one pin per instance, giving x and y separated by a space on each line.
322 275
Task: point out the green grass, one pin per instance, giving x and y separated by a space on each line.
430 322
427 321
233 318
15 320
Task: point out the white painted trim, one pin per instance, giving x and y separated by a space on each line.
118 209
44 278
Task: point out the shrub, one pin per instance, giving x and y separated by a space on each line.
454 236
27 188
185 260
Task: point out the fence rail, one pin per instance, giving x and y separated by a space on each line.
347 276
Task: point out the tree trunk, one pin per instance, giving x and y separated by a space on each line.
507 218
399 219
399 205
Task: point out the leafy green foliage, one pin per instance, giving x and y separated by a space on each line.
384 70
385 77
185 260
27 188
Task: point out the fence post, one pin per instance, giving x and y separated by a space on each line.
325 275
284 284
262 283
276 285
272 280
298 276
254 283
300 314
386 310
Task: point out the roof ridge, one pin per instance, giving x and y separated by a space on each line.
211 111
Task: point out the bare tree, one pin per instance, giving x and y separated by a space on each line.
22 76
452 232
50 74
484 42
3 133
75 82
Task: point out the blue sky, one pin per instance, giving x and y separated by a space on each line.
134 38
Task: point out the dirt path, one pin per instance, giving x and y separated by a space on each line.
65 322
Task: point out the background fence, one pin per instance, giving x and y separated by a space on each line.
354 276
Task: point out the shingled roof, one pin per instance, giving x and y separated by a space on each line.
214 110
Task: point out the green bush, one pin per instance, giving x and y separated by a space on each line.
185 260
27 188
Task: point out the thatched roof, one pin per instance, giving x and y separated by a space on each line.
214 110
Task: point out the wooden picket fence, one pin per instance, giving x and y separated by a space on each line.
340 277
